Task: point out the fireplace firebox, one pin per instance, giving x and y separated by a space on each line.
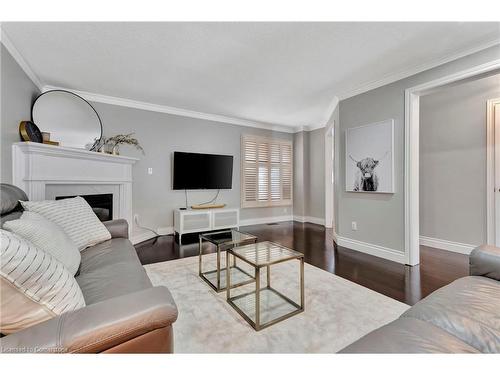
102 204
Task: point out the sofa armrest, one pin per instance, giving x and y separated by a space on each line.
118 228
98 327
485 261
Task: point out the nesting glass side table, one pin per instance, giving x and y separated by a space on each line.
225 240
264 306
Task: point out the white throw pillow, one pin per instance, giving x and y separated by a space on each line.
75 217
35 286
46 236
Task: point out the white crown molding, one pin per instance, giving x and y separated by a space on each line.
114 100
5 40
326 119
329 112
416 69
99 98
308 128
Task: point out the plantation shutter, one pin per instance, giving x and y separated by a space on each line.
267 174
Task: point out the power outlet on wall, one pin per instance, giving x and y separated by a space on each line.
136 219
354 225
285 210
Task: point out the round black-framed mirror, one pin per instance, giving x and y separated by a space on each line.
70 119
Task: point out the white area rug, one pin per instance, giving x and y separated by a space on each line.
337 311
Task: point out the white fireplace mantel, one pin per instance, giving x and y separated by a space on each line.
36 166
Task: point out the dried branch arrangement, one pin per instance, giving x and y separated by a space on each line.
117 140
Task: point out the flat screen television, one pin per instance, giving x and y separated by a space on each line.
202 171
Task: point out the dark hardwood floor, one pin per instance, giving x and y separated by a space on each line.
403 283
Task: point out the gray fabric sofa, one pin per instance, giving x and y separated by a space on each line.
123 313
462 317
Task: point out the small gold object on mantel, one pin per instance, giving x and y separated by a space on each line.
53 143
46 137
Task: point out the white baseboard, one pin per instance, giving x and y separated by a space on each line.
455 247
140 235
309 219
368 248
137 237
266 220
164 231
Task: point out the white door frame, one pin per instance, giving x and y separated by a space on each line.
412 152
491 185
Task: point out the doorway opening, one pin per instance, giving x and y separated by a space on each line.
412 151
453 165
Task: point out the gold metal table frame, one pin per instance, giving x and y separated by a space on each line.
257 325
222 247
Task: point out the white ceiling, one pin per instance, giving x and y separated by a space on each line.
286 74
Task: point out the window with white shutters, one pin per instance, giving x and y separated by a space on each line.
266 172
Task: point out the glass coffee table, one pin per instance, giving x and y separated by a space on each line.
225 240
266 306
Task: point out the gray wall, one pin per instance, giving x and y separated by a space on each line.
315 197
161 134
453 161
380 217
300 159
309 174
17 93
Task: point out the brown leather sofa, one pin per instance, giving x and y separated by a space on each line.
124 313
462 317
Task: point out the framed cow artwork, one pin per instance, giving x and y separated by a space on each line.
370 158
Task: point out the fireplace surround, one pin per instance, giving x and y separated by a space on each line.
46 172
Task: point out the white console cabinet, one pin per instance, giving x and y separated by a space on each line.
197 221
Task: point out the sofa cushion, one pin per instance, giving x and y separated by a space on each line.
408 335
35 286
484 261
468 308
111 269
10 216
48 237
75 217
10 196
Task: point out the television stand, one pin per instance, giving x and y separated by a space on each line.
206 220
207 206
